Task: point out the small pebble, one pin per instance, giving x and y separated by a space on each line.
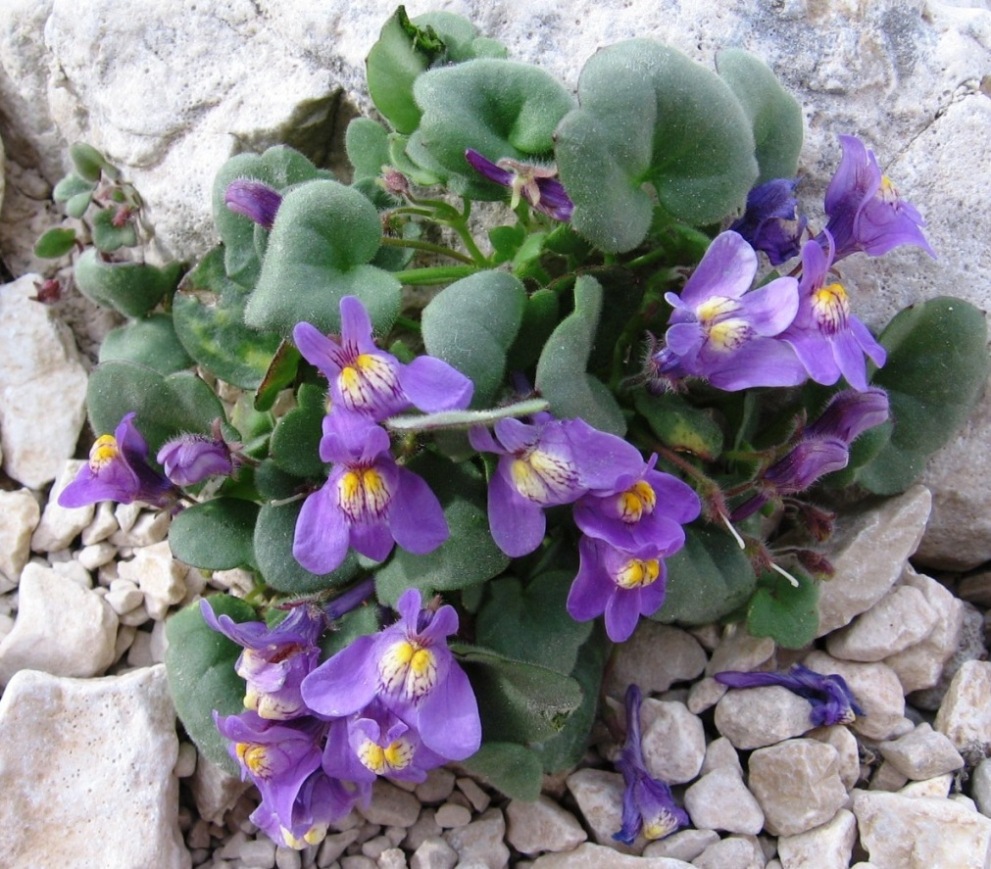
450 815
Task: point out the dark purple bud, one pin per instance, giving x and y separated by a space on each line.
537 184
192 458
849 414
771 221
254 200
805 463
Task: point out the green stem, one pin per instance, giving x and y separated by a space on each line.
429 247
435 275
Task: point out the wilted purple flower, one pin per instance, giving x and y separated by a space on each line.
771 222
725 334
254 200
865 211
828 339
118 470
538 185
278 758
409 669
823 447
368 381
376 742
831 698
649 808
545 464
619 584
368 502
643 509
321 801
191 458
275 659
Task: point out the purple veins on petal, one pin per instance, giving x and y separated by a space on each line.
253 199
832 700
118 470
649 808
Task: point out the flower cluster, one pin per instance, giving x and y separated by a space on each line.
369 502
314 737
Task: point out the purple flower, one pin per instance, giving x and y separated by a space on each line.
771 222
620 584
321 801
118 470
538 185
368 381
825 336
376 742
368 502
831 698
545 464
865 211
649 808
278 758
254 200
409 669
643 509
823 447
274 660
725 334
191 458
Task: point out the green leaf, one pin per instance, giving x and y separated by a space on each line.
469 555
707 579
131 288
518 702
681 426
166 406
324 234
107 237
215 535
296 439
775 115
367 145
281 372
76 206
650 116
937 367
208 310
471 324
540 317
561 376
89 163
199 662
788 615
55 243
512 769
71 185
532 623
499 108
274 532
151 342
280 167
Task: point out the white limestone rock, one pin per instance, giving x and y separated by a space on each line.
847 747
870 549
673 741
900 619
980 784
159 576
920 666
829 846
86 772
755 717
733 852
797 784
591 856
481 841
685 845
965 716
543 825
61 628
42 387
721 753
738 650
921 832
59 526
655 657
19 516
878 692
922 754
599 795
719 800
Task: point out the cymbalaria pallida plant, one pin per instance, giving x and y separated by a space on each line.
461 464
